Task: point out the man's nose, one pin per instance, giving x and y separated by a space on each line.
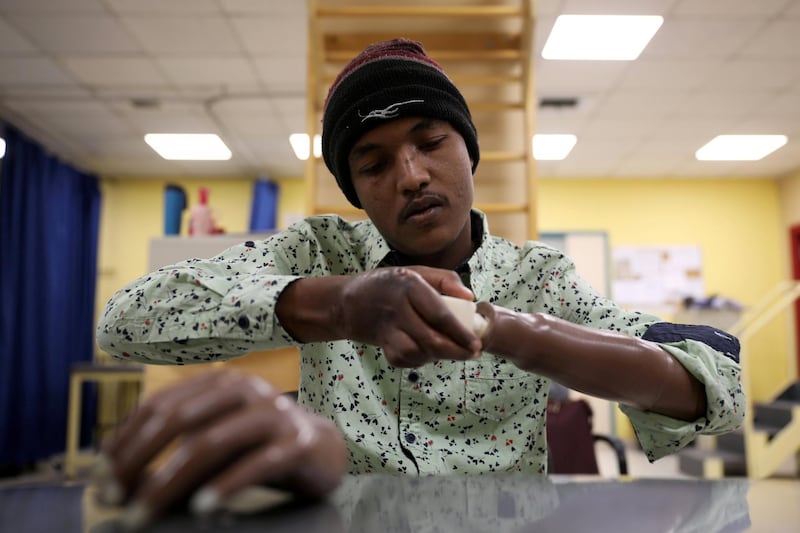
411 171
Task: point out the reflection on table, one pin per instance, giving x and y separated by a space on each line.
405 504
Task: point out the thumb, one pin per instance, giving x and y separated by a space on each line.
446 282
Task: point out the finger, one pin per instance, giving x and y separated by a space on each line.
445 282
402 351
111 489
199 458
415 344
265 466
173 414
446 325
131 424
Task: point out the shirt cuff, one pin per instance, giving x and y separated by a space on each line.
660 435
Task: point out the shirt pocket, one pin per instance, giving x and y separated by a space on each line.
496 390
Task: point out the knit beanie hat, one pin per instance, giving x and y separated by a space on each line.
388 80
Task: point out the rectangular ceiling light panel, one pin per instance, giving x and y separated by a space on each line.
600 37
740 147
188 146
552 146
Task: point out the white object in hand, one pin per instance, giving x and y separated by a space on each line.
466 313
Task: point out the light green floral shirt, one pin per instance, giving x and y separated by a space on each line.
484 415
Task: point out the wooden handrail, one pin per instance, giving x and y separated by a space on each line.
763 455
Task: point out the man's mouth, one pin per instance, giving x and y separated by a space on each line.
421 207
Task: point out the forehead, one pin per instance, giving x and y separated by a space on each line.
399 127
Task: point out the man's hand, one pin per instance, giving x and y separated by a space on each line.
398 309
223 431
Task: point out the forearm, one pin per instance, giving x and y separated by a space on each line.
307 308
192 313
601 363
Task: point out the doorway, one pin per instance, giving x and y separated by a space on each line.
794 235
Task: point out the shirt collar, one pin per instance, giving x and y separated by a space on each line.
390 257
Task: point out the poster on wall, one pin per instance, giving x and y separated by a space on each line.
657 279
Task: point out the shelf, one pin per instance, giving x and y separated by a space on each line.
486 49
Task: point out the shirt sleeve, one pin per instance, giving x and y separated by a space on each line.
720 374
709 354
204 310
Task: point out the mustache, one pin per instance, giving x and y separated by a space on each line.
420 202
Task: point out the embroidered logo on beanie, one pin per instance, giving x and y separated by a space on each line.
388 80
389 111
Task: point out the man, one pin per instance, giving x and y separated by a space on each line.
409 387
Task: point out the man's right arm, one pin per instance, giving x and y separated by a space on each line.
197 311
398 309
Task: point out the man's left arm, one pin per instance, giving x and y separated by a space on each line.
673 382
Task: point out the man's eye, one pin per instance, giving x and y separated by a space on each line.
432 144
370 170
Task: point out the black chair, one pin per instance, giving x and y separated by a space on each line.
571 438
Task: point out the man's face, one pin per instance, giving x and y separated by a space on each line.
413 177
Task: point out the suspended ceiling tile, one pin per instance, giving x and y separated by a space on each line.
731 104
564 77
694 168
241 106
780 39
12 41
52 107
176 34
617 7
51 6
260 6
281 73
640 103
783 104
620 129
292 112
582 167
691 129
32 71
115 70
121 146
255 125
760 9
666 74
644 167
205 70
754 74
273 36
171 120
788 125
700 37
86 33
257 122
602 151
175 7
555 122
45 92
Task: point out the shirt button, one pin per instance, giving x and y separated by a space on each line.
410 438
413 376
244 322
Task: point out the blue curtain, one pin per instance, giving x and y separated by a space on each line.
264 211
49 218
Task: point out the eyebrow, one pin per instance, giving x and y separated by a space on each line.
423 125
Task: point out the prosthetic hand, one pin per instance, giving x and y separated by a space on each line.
601 363
219 433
